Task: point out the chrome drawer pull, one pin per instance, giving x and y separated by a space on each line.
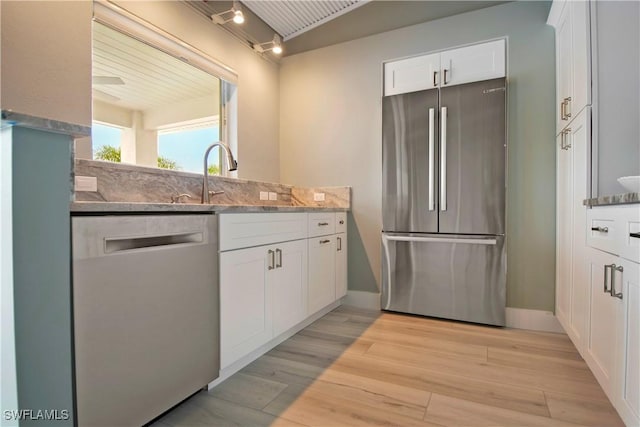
615 268
636 235
600 229
342 222
322 242
606 278
321 224
271 259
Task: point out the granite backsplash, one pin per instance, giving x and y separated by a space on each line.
117 182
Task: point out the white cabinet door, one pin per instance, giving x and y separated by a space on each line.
341 265
601 350
288 281
411 74
628 388
564 61
578 146
573 70
245 302
322 272
564 232
572 293
473 63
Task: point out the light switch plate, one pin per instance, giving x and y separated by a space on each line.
264 195
86 183
318 197
273 196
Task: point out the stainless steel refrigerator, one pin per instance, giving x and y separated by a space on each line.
443 202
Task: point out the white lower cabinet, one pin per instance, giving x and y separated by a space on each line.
246 313
288 281
271 289
322 272
600 352
612 350
341 265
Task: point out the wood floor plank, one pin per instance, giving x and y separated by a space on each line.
442 347
361 367
235 389
502 395
454 412
317 408
580 411
478 335
542 363
584 385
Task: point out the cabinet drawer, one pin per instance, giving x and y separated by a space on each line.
630 233
602 229
341 222
244 230
322 223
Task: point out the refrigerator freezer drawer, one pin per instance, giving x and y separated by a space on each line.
447 276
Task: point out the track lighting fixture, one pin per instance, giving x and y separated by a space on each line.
274 45
236 15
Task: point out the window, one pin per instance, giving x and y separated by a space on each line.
155 106
183 148
106 142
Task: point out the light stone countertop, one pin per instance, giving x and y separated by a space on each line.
131 207
615 199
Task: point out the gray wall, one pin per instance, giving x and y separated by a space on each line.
330 134
617 93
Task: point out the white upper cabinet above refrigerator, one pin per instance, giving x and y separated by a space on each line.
411 74
467 64
473 63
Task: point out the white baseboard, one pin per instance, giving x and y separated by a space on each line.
535 320
361 299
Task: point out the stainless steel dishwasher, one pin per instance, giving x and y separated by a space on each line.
146 314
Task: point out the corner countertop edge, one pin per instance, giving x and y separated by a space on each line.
615 199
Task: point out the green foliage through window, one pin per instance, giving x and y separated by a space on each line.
110 153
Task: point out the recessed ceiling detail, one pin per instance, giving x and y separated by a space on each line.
292 18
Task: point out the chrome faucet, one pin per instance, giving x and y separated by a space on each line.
231 164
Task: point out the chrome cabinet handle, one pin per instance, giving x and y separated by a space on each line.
435 81
322 242
562 105
444 80
615 268
600 229
271 259
562 140
278 258
636 235
339 244
432 165
443 159
565 138
567 111
322 224
606 278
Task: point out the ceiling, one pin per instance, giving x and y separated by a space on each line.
136 76
307 25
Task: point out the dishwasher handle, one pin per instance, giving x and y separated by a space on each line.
120 244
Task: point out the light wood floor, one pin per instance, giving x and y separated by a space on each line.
358 367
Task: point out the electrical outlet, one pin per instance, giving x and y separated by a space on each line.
273 196
264 195
318 197
86 183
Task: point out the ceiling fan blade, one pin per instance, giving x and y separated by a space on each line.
107 80
103 96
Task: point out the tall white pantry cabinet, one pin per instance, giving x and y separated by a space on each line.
597 255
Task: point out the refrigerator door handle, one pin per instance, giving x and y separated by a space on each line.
432 172
469 241
443 159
